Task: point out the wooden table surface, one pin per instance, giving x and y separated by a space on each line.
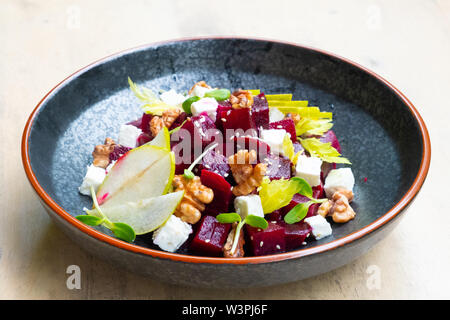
41 42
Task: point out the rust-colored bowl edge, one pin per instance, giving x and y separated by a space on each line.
392 213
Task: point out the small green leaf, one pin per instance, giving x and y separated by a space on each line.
256 222
303 187
177 128
187 104
123 231
90 220
218 94
297 213
228 217
188 174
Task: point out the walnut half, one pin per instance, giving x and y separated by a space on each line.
167 118
338 207
241 99
247 176
196 195
101 153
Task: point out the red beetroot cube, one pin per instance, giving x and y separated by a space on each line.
275 216
200 129
222 192
262 148
221 108
143 139
145 123
118 151
210 237
237 119
215 162
330 136
267 241
295 234
260 111
278 167
286 124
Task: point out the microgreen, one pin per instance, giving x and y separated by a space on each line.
298 213
177 128
188 174
188 102
120 230
218 94
251 220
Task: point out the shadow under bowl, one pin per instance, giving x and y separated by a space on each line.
380 131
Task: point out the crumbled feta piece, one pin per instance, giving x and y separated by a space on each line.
208 105
309 169
339 178
320 226
172 98
200 91
246 205
274 138
172 234
275 115
128 135
94 177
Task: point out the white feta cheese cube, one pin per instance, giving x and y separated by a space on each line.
274 138
172 98
171 235
339 179
309 169
320 226
208 105
128 135
94 177
200 91
275 115
246 205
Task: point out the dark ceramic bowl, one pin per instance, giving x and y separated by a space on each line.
379 130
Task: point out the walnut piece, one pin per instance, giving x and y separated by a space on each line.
342 211
241 99
196 195
167 118
101 153
247 176
294 116
338 207
201 84
239 252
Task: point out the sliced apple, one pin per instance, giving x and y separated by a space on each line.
162 139
141 173
145 215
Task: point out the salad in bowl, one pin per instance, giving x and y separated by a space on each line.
221 173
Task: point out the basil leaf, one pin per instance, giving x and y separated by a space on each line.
187 104
218 94
90 220
123 231
297 213
228 217
255 221
303 187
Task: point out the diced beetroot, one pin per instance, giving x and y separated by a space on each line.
210 237
295 234
118 151
260 111
298 147
201 129
237 119
278 167
222 192
221 108
143 138
262 148
330 136
286 124
145 123
274 216
179 120
318 191
215 162
267 241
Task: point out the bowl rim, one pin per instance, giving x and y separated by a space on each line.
385 218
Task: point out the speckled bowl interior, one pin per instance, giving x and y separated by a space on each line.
376 130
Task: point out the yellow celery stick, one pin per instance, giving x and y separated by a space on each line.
279 97
254 92
278 103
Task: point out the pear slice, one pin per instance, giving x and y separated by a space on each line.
141 173
144 215
162 139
